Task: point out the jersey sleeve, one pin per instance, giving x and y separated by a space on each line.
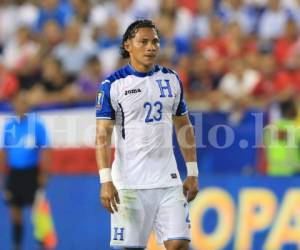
180 107
104 108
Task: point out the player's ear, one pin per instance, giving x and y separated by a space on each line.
127 46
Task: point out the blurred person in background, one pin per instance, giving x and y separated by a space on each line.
108 43
51 36
275 83
53 86
235 40
9 83
282 142
73 52
81 12
237 85
182 17
13 14
51 10
246 15
21 57
287 45
201 83
294 12
213 47
272 21
142 189
204 11
20 51
88 81
170 43
26 153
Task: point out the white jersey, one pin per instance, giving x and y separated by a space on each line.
142 105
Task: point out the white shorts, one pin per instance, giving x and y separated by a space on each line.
162 210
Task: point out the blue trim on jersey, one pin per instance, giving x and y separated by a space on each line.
104 107
129 70
123 121
182 107
132 71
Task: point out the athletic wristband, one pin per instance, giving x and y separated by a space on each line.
105 175
192 168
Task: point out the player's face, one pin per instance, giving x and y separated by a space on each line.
143 49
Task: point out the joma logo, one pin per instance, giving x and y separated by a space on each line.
132 91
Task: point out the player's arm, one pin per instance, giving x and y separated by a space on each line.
186 140
108 195
45 163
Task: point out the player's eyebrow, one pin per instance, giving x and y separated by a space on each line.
152 40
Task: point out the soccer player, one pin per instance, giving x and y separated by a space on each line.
25 152
142 189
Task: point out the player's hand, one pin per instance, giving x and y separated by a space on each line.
190 188
109 197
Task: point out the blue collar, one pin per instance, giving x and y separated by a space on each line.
142 74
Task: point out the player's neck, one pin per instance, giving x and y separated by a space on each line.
140 67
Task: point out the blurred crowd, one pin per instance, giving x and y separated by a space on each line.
230 54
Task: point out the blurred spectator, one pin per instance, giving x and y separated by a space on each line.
287 45
190 5
200 80
235 41
9 83
244 14
50 37
282 140
125 12
51 10
27 12
73 52
21 50
272 21
81 11
204 11
238 84
8 22
53 86
99 15
264 89
171 44
108 45
214 47
12 16
294 12
147 9
203 84
183 19
274 83
88 81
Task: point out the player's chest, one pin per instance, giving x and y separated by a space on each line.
144 95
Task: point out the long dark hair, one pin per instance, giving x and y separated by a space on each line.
131 31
